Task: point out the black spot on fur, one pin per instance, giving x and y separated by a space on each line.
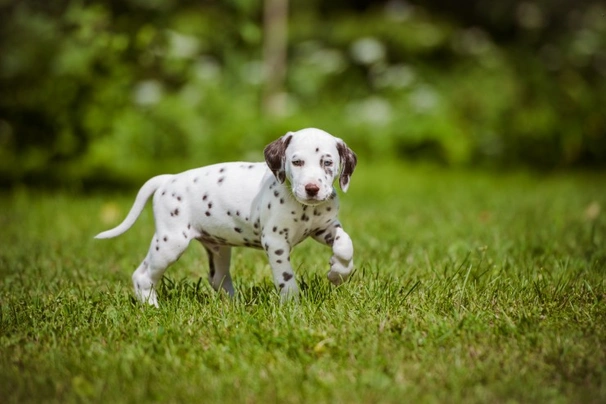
281 286
269 206
207 213
177 212
279 261
204 197
281 200
279 252
184 234
165 239
276 194
328 209
320 232
275 228
222 170
287 276
220 180
237 229
304 217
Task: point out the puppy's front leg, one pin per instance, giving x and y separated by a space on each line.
341 262
278 253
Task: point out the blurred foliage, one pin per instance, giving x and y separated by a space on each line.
95 92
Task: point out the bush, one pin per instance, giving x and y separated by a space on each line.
118 91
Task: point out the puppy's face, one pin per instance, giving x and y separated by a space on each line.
311 160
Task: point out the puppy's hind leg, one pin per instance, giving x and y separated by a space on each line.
163 251
219 258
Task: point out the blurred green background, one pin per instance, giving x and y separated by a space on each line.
107 93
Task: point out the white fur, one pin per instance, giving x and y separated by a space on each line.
246 204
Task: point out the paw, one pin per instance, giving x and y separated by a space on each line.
289 294
341 263
339 270
147 296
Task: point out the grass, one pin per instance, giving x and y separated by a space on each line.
470 287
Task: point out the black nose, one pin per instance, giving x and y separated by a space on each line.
312 189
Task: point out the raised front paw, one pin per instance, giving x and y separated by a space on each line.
339 270
341 263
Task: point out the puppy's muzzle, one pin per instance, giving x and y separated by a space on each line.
311 189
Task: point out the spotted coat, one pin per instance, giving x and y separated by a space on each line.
272 206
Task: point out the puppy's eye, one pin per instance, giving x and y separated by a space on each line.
327 163
297 163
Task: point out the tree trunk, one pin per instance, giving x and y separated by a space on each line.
275 42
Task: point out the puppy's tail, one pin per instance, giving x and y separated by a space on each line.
146 191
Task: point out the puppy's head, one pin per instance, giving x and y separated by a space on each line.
311 160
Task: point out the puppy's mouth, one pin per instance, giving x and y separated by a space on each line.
311 201
315 199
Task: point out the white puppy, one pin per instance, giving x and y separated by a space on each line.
273 205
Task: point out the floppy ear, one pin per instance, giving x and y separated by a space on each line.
275 154
348 164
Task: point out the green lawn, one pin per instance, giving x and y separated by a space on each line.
469 287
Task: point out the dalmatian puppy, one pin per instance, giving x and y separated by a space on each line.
271 206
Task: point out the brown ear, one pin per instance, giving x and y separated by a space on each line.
348 164
275 154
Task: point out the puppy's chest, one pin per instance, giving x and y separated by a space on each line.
284 218
242 216
298 224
